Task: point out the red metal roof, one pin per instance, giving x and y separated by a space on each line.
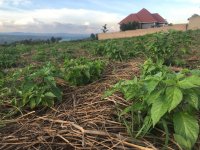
143 16
159 18
130 18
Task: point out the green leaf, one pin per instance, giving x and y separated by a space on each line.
186 84
151 84
50 102
38 100
109 93
55 90
194 79
150 99
195 72
164 123
28 86
173 97
50 94
32 103
146 126
193 100
184 143
129 94
186 127
133 107
159 108
87 73
190 82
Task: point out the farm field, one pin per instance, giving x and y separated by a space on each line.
135 93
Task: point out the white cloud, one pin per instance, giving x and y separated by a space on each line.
14 2
91 19
80 20
86 23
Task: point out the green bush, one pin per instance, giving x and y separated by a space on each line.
82 71
161 97
170 46
112 50
130 26
36 87
8 57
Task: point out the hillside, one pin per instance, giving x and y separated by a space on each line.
135 93
20 36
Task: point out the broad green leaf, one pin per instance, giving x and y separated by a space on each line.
189 82
87 73
55 90
184 143
194 79
180 76
186 126
28 86
186 84
159 108
50 94
193 100
133 107
50 102
109 93
169 82
150 99
25 98
32 103
173 97
130 94
195 72
38 100
146 126
151 84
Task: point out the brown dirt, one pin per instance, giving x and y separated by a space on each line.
82 121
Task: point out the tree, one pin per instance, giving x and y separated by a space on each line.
195 15
53 39
93 36
104 29
58 39
130 26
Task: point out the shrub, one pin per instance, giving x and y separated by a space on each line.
130 26
93 36
36 87
168 46
82 71
162 97
8 57
112 50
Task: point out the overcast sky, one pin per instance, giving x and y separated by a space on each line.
85 16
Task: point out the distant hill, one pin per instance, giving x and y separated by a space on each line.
19 36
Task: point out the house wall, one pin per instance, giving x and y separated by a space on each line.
140 32
194 23
161 24
147 25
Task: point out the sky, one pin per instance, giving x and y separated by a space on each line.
85 16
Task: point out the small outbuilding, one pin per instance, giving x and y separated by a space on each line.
194 22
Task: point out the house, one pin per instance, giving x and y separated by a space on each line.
194 22
145 19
